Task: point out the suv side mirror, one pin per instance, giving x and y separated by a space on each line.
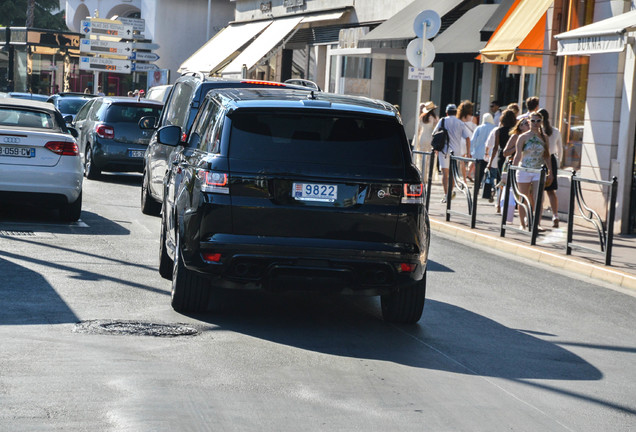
147 122
68 119
169 135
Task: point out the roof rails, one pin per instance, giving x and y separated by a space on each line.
194 73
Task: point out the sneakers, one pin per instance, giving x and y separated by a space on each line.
443 200
555 222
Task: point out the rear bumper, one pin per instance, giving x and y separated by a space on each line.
57 185
280 264
109 155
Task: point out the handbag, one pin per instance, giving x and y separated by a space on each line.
440 139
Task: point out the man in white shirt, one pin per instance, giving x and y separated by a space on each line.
457 132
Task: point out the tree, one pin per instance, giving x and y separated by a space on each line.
14 14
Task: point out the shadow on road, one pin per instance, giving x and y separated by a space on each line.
27 298
448 338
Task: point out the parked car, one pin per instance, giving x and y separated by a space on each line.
181 107
39 158
110 138
69 103
279 191
159 93
30 96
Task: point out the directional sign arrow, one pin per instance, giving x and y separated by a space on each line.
106 28
144 67
105 64
98 46
143 56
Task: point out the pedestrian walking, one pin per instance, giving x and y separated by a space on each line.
427 121
532 152
497 158
465 114
478 147
457 134
532 105
495 111
556 152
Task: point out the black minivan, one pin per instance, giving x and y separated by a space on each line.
294 190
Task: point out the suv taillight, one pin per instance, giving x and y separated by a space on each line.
413 193
105 131
62 148
215 182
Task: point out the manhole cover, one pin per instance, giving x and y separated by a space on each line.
137 328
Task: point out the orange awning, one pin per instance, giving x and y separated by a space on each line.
519 39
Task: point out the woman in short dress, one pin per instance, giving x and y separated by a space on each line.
532 152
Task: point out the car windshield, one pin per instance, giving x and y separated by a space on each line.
131 113
10 116
70 105
317 139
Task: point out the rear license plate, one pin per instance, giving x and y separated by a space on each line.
136 153
24 152
315 192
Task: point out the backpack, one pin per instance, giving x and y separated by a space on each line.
440 139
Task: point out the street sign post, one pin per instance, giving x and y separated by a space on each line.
98 46
106 28
143 56
144 67
105 64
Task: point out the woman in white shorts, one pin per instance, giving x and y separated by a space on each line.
532 152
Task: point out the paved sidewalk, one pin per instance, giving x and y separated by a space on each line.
550 247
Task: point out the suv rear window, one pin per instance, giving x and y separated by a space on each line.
130 113
311 137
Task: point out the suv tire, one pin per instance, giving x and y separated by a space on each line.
90 170
165 263
406 305
148 204
71 212
190 290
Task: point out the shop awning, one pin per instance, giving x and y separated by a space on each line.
397 31
264 43
222 46
520 38
606 36
463 35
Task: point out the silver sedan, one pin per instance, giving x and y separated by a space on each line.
39 158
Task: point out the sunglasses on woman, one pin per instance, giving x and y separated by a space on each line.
535 121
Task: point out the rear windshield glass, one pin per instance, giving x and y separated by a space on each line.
70 105
26 118
131 113
316 138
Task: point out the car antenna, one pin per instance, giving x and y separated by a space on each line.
311 95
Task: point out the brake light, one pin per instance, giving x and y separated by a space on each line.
413 193
215 182
211 256
105 131
63 148
407 267
268 83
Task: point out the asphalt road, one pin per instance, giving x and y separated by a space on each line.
503 345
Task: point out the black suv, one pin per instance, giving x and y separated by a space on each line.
180 108
294 190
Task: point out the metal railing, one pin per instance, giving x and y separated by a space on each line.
427 158
533 215
455 180
605 231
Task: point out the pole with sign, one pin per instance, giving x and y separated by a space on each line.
420 53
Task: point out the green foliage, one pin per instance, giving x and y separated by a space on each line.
13 14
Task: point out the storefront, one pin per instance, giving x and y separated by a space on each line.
590 97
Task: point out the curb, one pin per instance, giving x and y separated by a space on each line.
569 263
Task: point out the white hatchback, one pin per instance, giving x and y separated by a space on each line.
39 158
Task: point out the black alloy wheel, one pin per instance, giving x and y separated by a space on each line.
190 290
71 212
165 263
148 204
